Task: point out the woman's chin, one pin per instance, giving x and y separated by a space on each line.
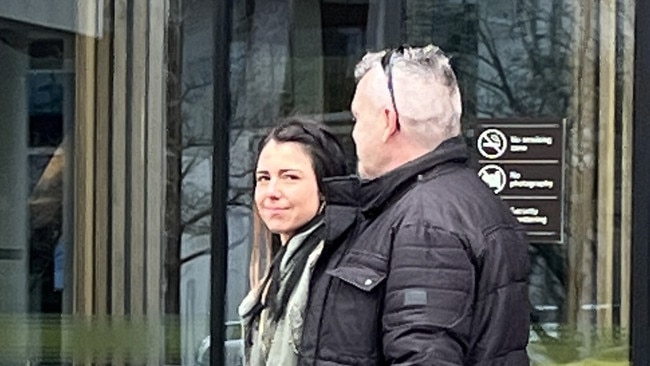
278 229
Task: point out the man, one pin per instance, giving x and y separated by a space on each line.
432 268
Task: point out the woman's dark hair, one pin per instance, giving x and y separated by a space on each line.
328 160
323 147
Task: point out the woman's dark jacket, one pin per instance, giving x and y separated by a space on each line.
422 266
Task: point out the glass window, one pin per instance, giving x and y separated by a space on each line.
189 175
518 62
81 254
37 117
107 146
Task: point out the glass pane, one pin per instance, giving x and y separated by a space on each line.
37 118
81 193
523 60
140 128
189 176
517 61
285 60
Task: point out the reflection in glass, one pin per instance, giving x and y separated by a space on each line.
557 59
517 59
36 117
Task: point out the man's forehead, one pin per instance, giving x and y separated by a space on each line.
373 75
372 88
369 82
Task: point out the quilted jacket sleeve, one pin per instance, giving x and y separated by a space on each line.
429 291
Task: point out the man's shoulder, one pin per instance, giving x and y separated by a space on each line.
432 193
458 202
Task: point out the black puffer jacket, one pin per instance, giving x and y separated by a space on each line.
423 266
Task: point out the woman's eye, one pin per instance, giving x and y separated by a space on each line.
291 177
262 178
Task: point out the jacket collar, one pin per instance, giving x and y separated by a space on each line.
342 209
349 196
376 193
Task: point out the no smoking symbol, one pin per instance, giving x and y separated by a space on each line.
492 143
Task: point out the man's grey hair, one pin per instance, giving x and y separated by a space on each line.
427 97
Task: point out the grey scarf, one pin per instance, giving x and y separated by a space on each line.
277 343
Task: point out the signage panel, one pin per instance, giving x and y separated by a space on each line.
522 161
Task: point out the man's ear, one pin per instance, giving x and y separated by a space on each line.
389 123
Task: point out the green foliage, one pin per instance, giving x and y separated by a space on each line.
59 338
570 347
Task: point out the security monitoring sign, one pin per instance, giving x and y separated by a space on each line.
523 163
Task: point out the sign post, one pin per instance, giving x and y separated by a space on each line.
522 161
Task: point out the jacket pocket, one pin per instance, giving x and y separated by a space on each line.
363 278
352 313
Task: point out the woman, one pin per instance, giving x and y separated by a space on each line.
294 159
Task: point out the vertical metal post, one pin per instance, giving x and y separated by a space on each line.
640 321
220 163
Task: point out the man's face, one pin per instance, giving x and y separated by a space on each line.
368 128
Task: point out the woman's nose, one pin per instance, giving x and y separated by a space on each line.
273 188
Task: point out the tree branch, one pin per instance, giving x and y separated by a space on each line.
496 63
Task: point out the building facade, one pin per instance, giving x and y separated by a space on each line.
129 136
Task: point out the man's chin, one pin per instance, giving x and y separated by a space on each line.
363 173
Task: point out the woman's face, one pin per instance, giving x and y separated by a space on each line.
286 189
